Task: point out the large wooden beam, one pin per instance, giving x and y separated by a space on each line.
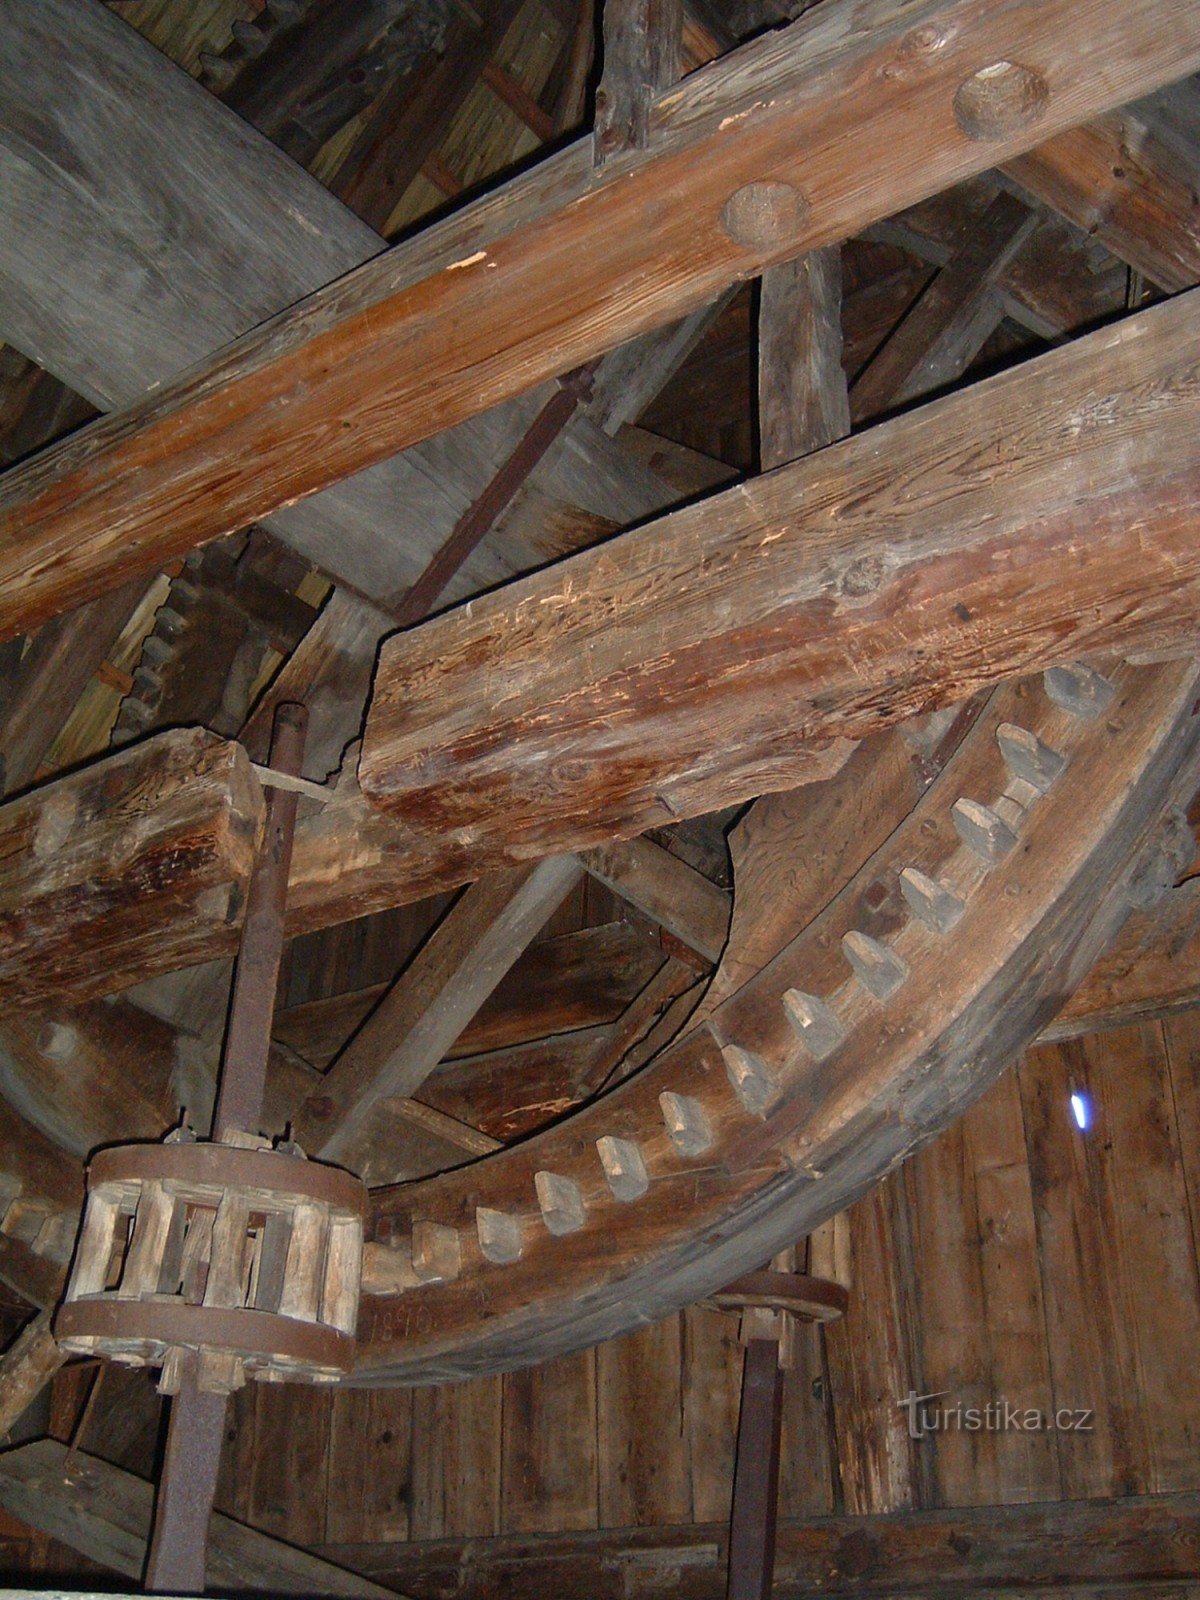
1043 515
136 257
1125 1547
112 873
427 1008
104 1513
26 1367
1123 183
750 161
572 981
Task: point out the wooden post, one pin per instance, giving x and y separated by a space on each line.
641 56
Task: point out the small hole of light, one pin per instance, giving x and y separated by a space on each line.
1081 1110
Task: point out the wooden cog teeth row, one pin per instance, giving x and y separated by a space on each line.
219 72
988 831
140 706
436 1251
879 968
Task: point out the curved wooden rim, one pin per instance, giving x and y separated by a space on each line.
823 1071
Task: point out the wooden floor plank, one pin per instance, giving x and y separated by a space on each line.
550 1457
1119 1268
457 1463
643 1462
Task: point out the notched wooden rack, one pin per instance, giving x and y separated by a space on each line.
250 1257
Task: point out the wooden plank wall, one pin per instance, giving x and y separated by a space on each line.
1014 1259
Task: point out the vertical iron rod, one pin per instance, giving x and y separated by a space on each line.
756 1475
248 1039
179 1543
187 1486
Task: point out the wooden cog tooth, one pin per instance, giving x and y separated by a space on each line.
251 37
1026 757
982 831
687 1123
876 966
623 1167
816 1023
499 1235
561 1200
217 71
169 621
436 1252
156 650
753 1081
930 901
1078 690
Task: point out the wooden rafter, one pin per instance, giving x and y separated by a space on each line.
429 1005
800 104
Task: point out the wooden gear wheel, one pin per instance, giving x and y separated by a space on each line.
926 975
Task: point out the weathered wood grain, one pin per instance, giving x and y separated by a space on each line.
550 1445
640 56
114 303
105 1513
107 870
667 890
802 402
26 1367
1133 1546
953 317
1054 286
1109 1202
1151 969
1032 518
708 1152
91 1074
977 1302
576 980
872 1363
1124 184
428 1006
655 233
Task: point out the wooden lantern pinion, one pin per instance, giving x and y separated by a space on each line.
249 1256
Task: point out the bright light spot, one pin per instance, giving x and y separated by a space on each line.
1081 1110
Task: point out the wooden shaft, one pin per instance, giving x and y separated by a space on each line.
756 1475
248 1041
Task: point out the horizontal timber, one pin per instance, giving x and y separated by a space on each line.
104 1513
121 868
1131 1545
1040 516
750 161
